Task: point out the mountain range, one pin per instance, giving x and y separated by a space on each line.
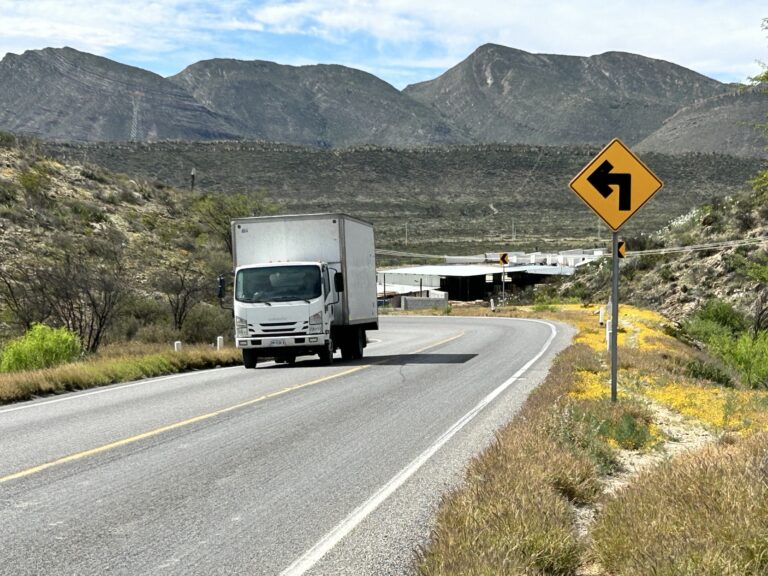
496 95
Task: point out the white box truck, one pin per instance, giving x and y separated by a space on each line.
304 284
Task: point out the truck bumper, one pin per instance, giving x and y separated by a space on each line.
275 343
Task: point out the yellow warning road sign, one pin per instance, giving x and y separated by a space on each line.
615 184
503 259
622 251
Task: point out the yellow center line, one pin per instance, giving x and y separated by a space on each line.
202 417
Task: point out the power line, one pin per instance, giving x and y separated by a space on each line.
700 247
630 254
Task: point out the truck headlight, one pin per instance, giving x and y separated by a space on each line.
241 327
316 323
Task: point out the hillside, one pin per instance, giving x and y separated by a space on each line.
457 200
460 199
676 284
724 122
105 254
501 94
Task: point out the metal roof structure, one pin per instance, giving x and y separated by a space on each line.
468 270
462 270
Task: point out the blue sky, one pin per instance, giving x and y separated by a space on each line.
401 41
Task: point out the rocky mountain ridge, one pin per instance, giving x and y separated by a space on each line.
548 98
323 105
496 95
64 94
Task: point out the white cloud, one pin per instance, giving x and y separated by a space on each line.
712 36
716 37
102 25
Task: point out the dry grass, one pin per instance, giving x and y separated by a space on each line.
516 514
513 516
704 512
112 366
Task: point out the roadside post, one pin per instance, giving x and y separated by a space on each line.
615 184
503 260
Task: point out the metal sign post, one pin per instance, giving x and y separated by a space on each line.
503 283
615 318
503 260
615 184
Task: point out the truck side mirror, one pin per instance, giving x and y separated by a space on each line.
222 287
338 282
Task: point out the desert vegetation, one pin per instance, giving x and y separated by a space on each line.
454 200
93 259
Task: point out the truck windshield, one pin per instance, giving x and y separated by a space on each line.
277 284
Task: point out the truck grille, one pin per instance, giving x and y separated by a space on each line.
279 328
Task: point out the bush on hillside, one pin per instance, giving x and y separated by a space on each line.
8 191
40 347
205 323
7 140
718 316
750 355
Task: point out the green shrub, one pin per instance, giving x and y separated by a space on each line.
96 175
205 323
8 190
158 333
722 313
706 331
576 429
40 347
34 181
7 140
750 356
629 428
707 370
86 213
579 291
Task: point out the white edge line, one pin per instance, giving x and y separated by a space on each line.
312 556
109 388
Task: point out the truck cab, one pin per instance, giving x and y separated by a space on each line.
284 310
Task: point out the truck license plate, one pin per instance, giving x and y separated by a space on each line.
276 342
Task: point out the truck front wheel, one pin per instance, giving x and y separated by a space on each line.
249 358
326 354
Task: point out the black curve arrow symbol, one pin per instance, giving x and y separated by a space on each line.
602 178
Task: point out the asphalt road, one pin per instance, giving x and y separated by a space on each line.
279 470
